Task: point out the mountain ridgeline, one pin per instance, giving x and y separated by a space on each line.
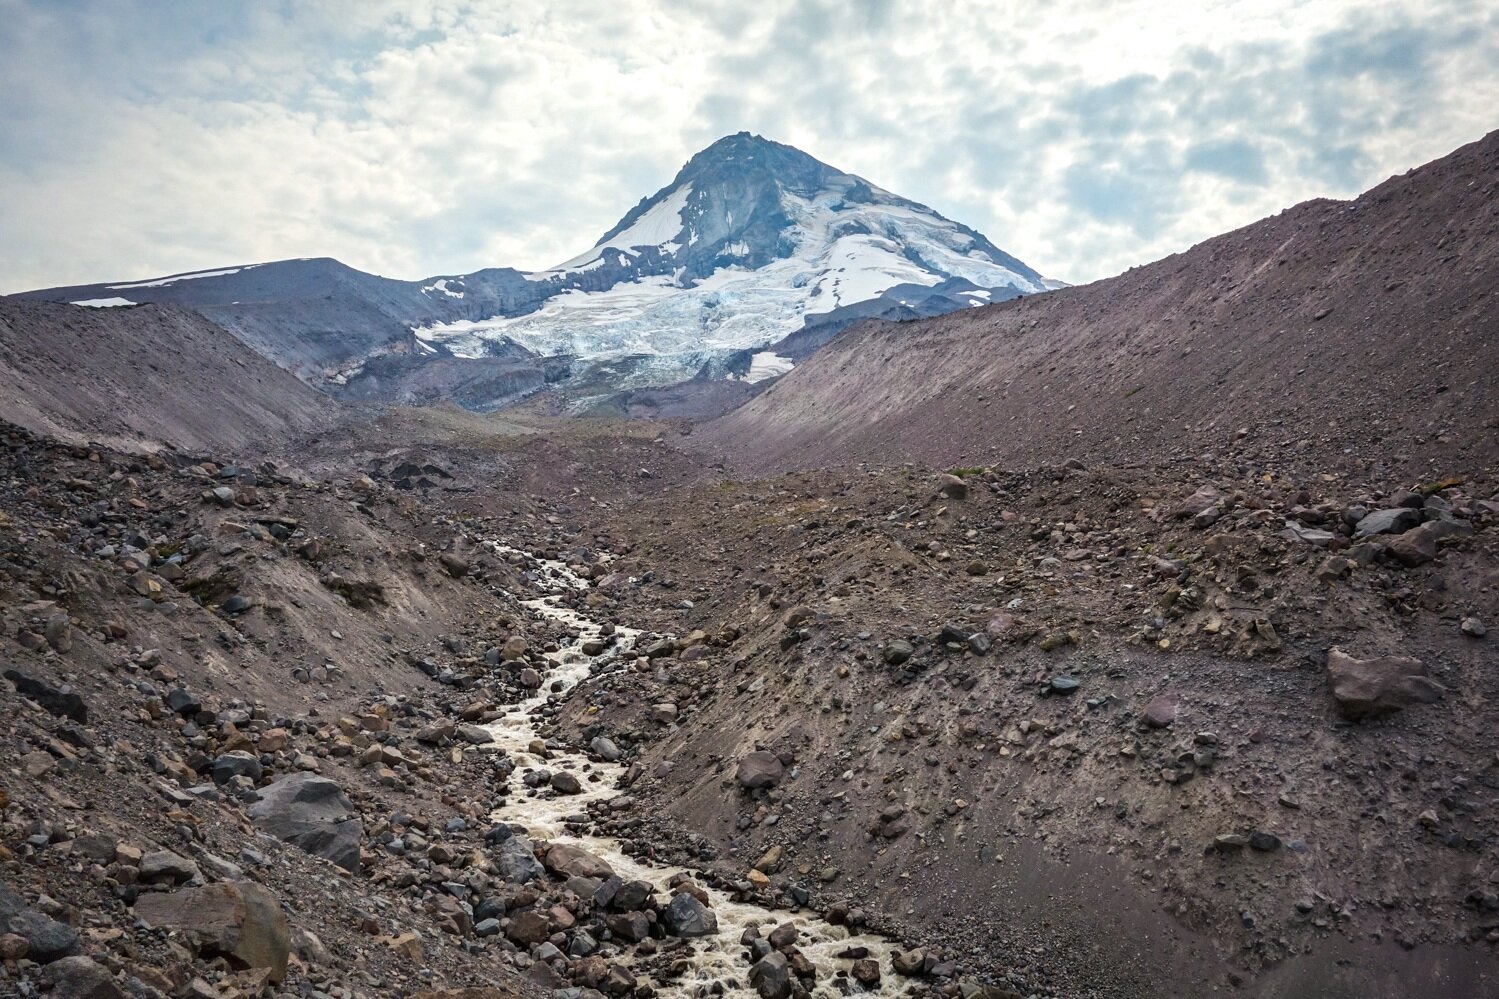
751 243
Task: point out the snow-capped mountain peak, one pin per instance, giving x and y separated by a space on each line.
750 241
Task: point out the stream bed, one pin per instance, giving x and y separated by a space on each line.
718 964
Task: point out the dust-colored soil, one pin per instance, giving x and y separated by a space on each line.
144 375
1365 329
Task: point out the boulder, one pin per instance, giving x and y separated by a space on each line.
239 921
952 486
47 939
516 859
1367 687
1416 546
1393 521
568 861
771 976
167 868
1160 712
81 978
62 701
686 916
1307 535
898 651
759 769
239 763
1202 500
312 813
604 748
529 928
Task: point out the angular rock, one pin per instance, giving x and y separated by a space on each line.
1393 521
1203 499
685 916
47 939
228 766
1307 535
771 976
898 651
1364 688
312 813
566 782
570 861
62 701
1415 547
238 921
631 926
167 868
516 859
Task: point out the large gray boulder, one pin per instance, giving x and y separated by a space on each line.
312 813
49 940
516 859
685 916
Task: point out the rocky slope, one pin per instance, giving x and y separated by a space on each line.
995 703
137 376
1365 327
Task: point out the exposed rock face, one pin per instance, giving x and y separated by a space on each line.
313 813
240 921
1368 687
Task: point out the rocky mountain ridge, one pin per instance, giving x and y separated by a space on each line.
752 241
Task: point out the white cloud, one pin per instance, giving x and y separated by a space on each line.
419 139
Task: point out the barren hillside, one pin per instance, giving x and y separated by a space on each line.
145 374
1366 329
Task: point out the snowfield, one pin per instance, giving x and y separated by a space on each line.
842 252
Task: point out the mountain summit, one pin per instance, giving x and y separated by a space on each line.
751 241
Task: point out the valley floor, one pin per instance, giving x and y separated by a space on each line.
1060 731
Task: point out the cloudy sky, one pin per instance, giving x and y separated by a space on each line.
142 137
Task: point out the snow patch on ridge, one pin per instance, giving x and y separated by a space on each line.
441 285
163 282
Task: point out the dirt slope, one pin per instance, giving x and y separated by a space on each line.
127 376
1366 328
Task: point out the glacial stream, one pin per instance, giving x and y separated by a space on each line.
718 963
